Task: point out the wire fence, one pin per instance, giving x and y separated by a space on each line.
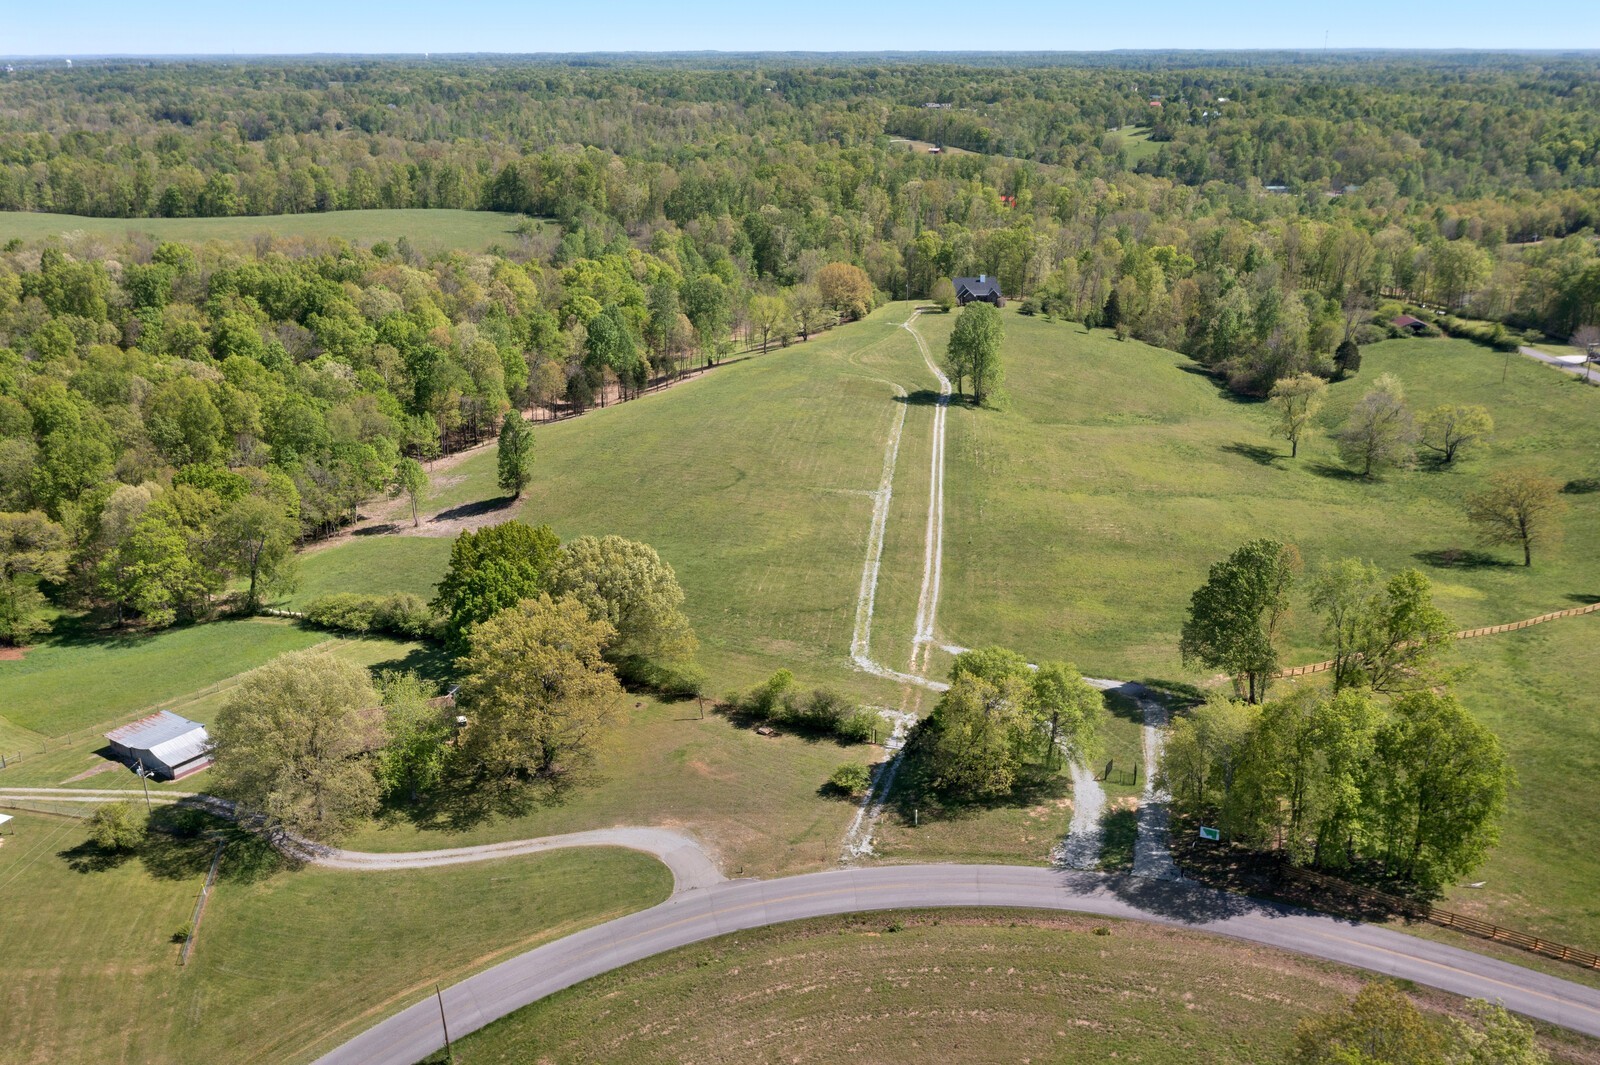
1422 911
1464 634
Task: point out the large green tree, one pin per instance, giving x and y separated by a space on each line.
626 584
32 548
974 350
1298 400
296 741
1438 789
491 570
1235 616
515 456
537 693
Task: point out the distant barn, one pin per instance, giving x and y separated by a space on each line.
166 745
983 289
1409 324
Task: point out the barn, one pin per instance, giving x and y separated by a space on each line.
166 745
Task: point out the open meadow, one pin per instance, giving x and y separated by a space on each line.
288 961
941 986
1080 515
428 229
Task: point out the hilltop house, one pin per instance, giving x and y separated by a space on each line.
983 287
166 745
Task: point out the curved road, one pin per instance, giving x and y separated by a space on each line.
693 916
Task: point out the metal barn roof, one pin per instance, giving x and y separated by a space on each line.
159 732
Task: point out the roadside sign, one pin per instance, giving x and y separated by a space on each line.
1209 833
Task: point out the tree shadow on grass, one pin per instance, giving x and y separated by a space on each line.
428 660
1460 558
1121 829
90 857
376 530
1582 486
1221 385
461 803
183 839
1337 473
922 397
1583 600
1261 456
474 509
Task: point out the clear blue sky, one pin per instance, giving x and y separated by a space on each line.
154 27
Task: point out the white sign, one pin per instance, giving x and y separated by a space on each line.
1209 833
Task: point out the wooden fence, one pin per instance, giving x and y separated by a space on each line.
1422 911
1464 634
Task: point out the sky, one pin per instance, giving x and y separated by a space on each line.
174 27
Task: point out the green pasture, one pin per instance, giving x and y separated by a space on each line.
431 230
288 963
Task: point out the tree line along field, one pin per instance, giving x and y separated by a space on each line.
428 229
1080 515
99 947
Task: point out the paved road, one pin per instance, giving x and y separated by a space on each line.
1578 369
692 916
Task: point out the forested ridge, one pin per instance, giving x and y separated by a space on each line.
174 416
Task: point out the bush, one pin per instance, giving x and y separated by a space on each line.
1370 334
822 711
1492 334
397 615
675 680
117 826
858 727
852 778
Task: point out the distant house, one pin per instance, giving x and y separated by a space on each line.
1007 201
982 288
935 150
1408 323
166 745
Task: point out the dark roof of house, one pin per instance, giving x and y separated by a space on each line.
1405 321
977 287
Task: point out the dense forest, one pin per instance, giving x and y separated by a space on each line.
173 416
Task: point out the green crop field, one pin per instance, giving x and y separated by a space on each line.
287 963
939 986
427 229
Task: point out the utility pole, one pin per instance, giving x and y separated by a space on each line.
448 1051
146 782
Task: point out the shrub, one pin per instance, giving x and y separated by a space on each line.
401 614
858 727
117 826
822 711
675 680
1370 334
852 778
404 615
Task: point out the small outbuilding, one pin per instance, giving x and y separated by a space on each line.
1408 324
168 746
983 289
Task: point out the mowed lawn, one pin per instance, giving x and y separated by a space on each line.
1537 690
79 761
288 963
755 801
79 679
379 564
932 987
753 481
430 230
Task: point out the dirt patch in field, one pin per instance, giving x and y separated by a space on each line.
12 654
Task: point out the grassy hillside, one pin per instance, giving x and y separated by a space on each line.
428 230
288 963
754 482
1083 514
